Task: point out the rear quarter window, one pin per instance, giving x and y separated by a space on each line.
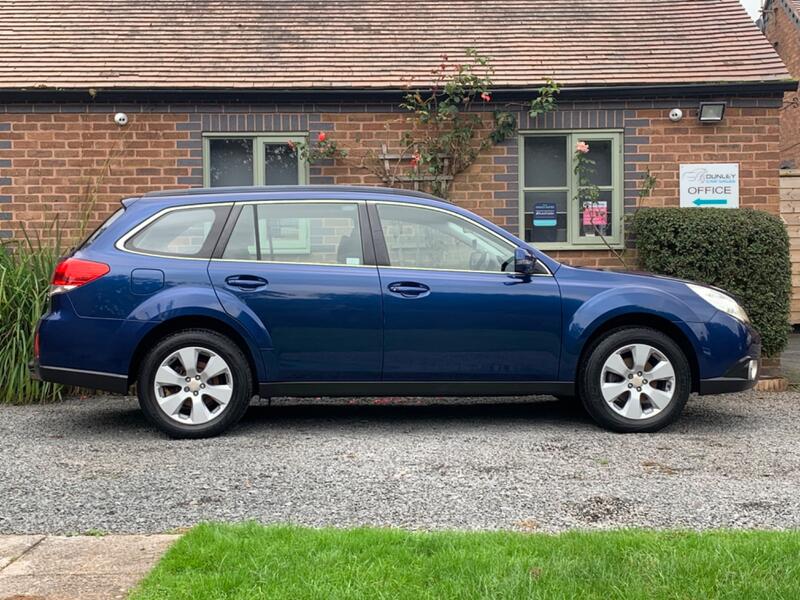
182 232
99 231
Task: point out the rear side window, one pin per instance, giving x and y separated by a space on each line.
186 232
303 232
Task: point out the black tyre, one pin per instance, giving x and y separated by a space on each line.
194 384
635 379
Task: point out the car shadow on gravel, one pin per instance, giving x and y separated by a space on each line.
325 414
394 411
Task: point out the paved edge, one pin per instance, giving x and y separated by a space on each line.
77 567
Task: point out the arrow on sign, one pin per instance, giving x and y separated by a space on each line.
710 202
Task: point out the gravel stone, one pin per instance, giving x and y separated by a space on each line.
528 464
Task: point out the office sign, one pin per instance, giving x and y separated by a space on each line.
711 185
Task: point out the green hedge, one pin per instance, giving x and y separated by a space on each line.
743 251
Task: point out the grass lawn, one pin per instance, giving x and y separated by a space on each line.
249 561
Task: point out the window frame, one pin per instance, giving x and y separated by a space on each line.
259 140
212 240
367 248
574 240
382 250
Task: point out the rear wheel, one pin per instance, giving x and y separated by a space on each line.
194 383
635 380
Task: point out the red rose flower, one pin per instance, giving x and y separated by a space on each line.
321 137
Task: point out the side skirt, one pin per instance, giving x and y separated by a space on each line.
311 389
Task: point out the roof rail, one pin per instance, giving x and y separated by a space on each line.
272 189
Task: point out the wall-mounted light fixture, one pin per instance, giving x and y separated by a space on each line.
711 112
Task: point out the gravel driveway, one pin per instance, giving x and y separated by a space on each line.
731 461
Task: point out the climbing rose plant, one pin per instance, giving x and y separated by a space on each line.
444 134
324 149
588 194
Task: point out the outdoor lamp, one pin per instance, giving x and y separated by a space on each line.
711 112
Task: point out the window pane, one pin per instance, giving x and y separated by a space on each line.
595 218
546 161
310 233
422 238
230 162
242 243
600 153
280 165
178 233
546 216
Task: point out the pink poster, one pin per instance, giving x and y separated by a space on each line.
596 214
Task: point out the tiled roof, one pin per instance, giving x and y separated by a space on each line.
300 44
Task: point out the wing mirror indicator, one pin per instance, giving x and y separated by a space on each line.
524 262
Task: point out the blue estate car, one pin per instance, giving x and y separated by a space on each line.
205 298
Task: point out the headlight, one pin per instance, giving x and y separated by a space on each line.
720 301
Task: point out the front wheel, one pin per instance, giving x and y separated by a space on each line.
194 384
635 380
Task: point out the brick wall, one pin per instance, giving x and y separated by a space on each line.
782 28
62 160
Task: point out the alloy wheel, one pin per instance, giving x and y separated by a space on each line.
193 385
637 381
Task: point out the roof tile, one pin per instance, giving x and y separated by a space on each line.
323 44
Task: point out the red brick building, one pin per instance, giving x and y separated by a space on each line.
781 24
213 92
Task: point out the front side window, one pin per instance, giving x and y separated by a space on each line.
301 232
552 212
421 238
180 233
252 160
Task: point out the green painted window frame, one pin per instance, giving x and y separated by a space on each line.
574 240
259 140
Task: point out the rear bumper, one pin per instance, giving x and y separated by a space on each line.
740 377
108 382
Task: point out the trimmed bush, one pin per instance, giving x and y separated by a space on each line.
25 272
742 251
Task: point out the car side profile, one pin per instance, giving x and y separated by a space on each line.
204 298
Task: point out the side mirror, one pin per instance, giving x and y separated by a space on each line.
524 262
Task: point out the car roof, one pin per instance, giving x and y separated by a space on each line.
246 193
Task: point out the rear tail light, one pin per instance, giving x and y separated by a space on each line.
75 272
36 344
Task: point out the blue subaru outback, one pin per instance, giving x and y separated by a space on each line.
206 298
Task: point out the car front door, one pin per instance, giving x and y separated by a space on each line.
304 271
452 310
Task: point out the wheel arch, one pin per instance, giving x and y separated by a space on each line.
649 321
192 322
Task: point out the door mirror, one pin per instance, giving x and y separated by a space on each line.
524 261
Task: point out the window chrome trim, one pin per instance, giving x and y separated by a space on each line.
120 243
513 246
278 262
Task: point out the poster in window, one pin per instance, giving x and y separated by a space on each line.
596 214
544 214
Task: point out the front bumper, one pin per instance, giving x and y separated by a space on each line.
740 377
108 382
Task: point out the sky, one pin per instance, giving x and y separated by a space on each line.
752 6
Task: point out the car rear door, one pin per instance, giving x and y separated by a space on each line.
305 271
450 311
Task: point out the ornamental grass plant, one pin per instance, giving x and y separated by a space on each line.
26 267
